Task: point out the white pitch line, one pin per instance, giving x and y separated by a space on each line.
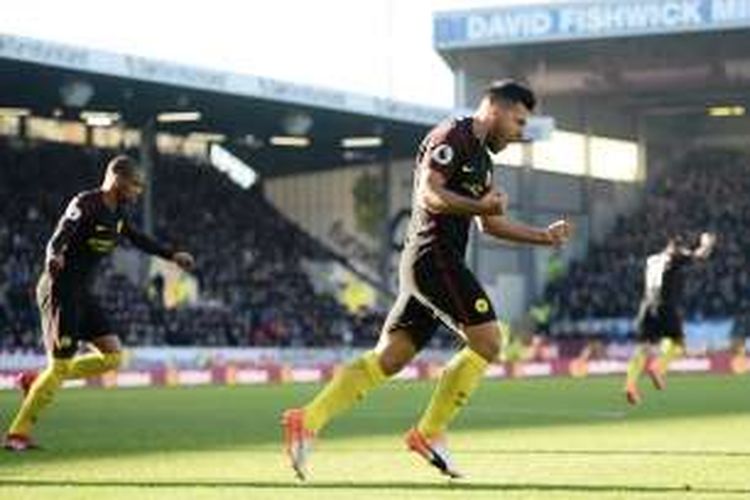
603 414
609 414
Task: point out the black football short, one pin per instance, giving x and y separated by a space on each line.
436 289
657 322
69 315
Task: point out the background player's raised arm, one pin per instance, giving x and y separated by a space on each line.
705 247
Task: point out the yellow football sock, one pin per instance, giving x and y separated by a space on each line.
460 378
95 363
670 350
636 365
40 395
348 386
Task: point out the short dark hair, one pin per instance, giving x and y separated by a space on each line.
511 91
123 165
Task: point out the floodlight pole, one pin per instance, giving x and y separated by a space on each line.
147 151
385 236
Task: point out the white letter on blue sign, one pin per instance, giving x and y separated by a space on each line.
723 11
641 16
571 20
476 27
517 25
692 13
542 23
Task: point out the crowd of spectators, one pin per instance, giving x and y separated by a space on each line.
707 191
253 289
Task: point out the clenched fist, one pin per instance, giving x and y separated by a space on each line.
559 232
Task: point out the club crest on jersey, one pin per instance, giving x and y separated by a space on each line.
442 154
482 305
73 212
474 189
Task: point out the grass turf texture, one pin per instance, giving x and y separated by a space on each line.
554 438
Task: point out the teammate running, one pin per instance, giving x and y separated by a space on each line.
88 231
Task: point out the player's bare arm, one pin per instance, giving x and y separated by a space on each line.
705 246
556 234
438 199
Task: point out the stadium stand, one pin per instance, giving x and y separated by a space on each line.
708 190
255 293
253 290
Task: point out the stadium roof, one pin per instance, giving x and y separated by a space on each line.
658 59
44 76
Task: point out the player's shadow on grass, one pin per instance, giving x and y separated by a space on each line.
93 425
410 486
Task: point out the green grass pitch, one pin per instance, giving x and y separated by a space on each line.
553 438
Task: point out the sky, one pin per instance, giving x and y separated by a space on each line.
374 47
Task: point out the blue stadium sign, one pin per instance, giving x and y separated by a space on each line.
571 21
